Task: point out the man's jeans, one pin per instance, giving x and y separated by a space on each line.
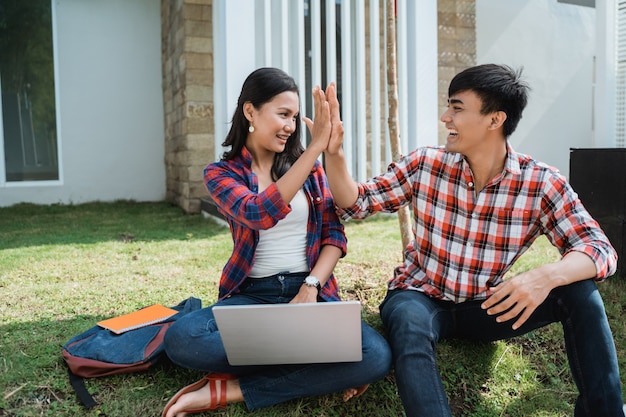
194 342
416 323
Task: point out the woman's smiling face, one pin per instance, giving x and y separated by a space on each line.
274 122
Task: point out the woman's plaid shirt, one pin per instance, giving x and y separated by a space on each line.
234 188
464 240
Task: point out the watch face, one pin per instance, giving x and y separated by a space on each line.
311 281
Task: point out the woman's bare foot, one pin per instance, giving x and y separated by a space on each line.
354 392
201 398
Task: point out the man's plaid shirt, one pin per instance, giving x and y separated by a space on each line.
463 240
234 188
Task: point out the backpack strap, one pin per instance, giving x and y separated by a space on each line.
78 383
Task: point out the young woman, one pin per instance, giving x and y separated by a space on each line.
287 241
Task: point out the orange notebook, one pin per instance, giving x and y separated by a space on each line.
140 318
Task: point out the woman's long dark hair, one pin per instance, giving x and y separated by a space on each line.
261 86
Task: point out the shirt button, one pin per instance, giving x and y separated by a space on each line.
470 184
318 199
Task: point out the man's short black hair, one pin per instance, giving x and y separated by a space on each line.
499 87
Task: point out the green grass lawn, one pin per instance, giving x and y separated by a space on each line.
62 268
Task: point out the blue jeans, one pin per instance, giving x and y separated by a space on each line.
416 323
194 342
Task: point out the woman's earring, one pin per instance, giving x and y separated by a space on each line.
250 128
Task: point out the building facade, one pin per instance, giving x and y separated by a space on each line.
143 91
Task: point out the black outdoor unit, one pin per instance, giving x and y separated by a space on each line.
598 175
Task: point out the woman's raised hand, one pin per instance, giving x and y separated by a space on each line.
321 127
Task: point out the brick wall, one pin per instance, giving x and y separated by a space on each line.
457 46
187 56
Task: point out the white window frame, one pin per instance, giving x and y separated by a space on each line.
57 102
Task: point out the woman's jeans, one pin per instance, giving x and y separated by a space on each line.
194 342
416 323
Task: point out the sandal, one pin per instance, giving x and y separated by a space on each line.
214 404
359 391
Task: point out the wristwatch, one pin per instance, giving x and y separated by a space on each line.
312 281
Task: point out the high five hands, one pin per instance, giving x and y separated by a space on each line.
327 129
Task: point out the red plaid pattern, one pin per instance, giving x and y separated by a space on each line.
234 188
464 241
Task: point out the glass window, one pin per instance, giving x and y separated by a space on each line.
28 98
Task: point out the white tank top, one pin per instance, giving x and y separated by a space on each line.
283 247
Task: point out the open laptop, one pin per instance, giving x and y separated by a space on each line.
271 334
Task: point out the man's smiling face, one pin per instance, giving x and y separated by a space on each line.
465 123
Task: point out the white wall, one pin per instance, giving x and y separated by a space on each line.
234 59
110 105
555 43
605 98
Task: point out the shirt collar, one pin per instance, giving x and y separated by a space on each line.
246 156
511 164
512 160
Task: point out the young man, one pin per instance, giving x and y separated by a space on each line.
477 206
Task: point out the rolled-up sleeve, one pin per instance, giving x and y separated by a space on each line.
386 193
237 201
571 228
